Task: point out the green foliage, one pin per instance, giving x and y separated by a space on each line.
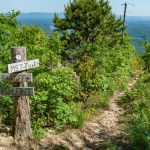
8 27
6 105
146 57
9 19
109 145
38 130
59 88
33 38
137 104
102 66
6 111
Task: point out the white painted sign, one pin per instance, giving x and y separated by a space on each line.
17 91
21 66
20 77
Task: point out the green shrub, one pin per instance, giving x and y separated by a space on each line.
52 102
38 128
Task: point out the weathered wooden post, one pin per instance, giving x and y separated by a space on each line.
22 126
20 92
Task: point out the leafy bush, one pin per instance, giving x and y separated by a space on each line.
59 88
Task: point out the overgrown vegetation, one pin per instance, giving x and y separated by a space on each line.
137 104
81 64
146 57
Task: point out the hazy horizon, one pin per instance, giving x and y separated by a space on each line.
63 12
140 8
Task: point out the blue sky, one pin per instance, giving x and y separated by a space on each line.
141 7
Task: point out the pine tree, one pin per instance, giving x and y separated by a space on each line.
84 21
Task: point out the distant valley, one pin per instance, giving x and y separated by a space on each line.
137 27
42 20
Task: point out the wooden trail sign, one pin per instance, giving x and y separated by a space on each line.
21 66
16 73
20 77
22 126
17 91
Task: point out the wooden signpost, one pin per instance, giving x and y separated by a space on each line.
20 92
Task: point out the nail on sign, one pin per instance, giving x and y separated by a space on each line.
20 77
21 66
17 91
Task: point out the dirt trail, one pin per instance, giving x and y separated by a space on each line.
100 133
103 132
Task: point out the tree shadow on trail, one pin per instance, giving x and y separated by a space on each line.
54 147
107 143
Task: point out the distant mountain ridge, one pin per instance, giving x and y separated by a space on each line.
138 27
38 15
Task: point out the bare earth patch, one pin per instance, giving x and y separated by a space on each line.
101 133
